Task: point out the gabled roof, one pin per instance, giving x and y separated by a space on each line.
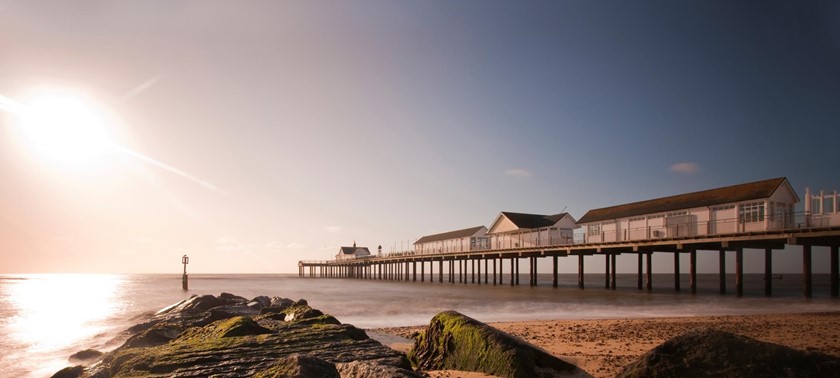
353 250
532 220
711 197
449 235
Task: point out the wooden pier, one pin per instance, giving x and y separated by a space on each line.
466 267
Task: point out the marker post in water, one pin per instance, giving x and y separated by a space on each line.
184 284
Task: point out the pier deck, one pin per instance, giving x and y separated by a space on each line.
403 266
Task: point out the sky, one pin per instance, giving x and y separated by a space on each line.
255 134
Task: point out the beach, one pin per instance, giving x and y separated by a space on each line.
602 347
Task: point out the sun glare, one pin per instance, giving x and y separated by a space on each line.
64 127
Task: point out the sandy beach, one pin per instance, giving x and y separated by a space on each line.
602 347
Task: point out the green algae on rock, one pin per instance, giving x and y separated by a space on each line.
455 341
189 340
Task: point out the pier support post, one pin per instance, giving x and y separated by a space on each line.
501 270
739 272
533 271
451 271
649 273
768 272
486 272
554 271
517 271
640 255
440 270
580 271
513 271
677 271
607 270
722 269
472 264
612 273
835 272
692 271
494 271
422 272
806 270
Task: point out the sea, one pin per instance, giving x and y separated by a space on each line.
44 318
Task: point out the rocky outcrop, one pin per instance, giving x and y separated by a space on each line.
228 336
458 342
707 352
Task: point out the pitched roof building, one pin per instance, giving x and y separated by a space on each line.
348 253
468 239
753 206
518 230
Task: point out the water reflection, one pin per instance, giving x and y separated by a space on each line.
52 312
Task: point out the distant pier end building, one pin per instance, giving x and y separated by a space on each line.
518 230
466 240
350 253
752 207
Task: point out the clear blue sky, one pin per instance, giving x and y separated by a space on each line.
324 122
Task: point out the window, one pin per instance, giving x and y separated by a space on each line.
637 219
594 229
828 205
751 212
655 216
816 207
677 213
725 207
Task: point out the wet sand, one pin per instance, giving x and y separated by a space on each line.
602 347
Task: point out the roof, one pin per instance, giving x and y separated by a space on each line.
449 235
533 220
353 250
729 194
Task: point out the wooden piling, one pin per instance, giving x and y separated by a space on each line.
613 272
739 272
806 270
692 271
722 270
554 271
768 272
640 256
649 273
580 271
677 271
835 272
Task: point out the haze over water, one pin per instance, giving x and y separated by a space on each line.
46 318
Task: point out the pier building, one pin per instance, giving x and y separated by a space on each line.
468 239
517 230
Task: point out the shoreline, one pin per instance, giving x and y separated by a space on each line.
601 347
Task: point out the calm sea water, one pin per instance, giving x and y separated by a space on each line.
45 318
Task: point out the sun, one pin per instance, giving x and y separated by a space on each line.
65 127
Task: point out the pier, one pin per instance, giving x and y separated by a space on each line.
485 267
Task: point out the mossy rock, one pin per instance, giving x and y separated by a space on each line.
299 366
458 342
707 352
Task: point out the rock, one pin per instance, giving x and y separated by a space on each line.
300 366
70 372
190 344
301 302
200 303
225 312
263 300
255 305
281 303
86 355
707 352
233 300
362 369
458 342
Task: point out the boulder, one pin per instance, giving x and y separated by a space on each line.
226 312
70 372
458 342
281 303
87 355
199 303
300 366
707 352
233 300
263 300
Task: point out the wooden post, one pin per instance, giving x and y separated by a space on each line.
739 272
517 271
692 268
835 272
422 272
472 273
640 271
806 270
486 271
649 273
612 274
722 263
580 270
768 272
494 272
607 270
554 271
501 270
677 271
478 265
514 271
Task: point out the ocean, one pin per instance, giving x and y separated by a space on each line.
44 318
